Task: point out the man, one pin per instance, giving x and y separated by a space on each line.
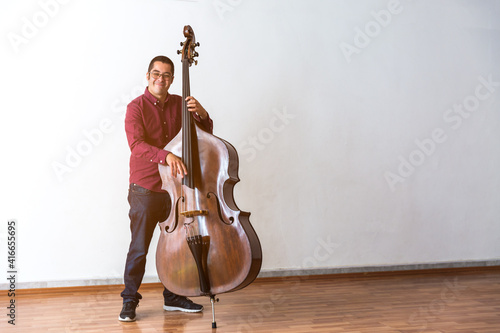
151 121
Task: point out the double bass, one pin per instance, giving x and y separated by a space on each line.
207 246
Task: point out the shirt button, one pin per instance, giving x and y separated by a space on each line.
164 122
166 136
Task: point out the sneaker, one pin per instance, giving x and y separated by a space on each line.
128 311
181 303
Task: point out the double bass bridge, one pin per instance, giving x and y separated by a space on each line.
193 213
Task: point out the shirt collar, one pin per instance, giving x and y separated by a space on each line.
153 99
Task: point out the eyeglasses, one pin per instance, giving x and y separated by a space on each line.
156 75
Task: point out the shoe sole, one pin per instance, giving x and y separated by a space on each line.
126 319
174 308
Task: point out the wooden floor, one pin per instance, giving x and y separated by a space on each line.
430 301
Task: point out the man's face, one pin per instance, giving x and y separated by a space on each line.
159 79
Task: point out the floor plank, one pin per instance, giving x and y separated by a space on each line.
458 301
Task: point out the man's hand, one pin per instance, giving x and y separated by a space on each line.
194 106
176 166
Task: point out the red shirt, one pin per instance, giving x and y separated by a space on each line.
150 126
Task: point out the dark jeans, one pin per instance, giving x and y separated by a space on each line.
147 208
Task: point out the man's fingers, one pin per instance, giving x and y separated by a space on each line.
184 170
181 169
192 103
178 168
173 171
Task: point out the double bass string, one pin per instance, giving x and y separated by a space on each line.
190 197
186 134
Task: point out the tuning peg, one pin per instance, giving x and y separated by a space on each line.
182 43
179 51
196 62
196 44
195 54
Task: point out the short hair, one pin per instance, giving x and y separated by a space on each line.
162 59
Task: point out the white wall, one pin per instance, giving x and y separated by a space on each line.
346 115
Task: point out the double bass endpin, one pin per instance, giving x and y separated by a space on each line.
212 301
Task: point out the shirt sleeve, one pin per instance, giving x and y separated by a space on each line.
207 124
134 128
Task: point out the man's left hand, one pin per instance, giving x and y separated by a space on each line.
194 106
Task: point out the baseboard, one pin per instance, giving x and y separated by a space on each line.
382 268
272 273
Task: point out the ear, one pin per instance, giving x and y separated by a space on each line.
148 76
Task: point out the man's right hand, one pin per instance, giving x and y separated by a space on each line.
176 165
